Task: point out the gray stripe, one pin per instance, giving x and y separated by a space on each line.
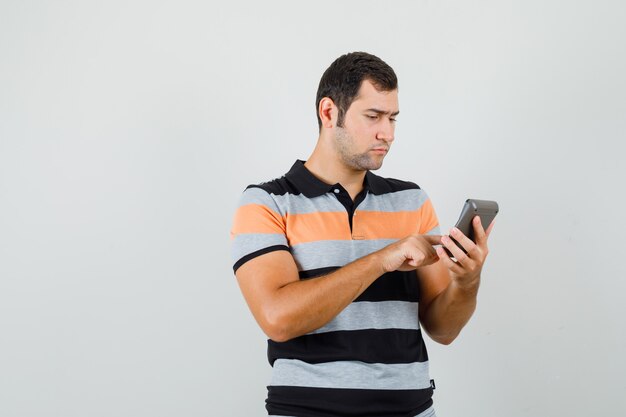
291 203
246 243
300 204
259 196
430 412
434 231
350 375
311 255
407 200
375 315
325 253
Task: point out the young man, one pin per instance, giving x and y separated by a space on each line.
338 266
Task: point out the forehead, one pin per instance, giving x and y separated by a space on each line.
370 97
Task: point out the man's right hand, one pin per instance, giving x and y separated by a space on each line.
410 253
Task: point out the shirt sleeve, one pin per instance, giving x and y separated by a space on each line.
258 227
429 223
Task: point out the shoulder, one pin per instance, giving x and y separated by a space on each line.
277 186
382 185
271 194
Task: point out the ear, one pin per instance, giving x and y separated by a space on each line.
328 112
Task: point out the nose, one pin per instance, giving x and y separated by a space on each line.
386 131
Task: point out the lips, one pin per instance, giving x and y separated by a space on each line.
380 150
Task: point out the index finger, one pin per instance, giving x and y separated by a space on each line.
432 239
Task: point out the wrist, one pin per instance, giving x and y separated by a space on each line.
378 263
468 287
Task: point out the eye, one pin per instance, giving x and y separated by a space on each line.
369 116
392 120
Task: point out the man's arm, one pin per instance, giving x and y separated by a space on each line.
286 307
448 289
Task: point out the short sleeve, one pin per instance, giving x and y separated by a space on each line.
429 223
258 227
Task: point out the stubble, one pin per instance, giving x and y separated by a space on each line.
344 144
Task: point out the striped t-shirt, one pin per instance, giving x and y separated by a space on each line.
370 360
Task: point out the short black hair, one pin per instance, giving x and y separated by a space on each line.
343 78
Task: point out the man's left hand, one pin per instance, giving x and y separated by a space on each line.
465 271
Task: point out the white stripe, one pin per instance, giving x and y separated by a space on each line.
300 204
326 253
375 315
350 375
291 203
259 196
430 412
312 255
406 200
246 243
434 231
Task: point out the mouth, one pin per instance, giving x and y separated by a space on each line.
380 150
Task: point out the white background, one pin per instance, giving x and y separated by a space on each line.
128 130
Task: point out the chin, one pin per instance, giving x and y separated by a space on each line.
376 164
362 163
372 166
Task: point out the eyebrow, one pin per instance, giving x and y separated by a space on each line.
378 111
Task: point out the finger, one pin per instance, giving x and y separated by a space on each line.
457 252
488 231
463 240
429 247
432 239
448 262
415 257
479 232
429 253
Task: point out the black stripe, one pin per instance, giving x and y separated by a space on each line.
259 252
370 346
313 273
379 185
328 402
393 286
278 186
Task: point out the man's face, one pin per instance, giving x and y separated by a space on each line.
368 128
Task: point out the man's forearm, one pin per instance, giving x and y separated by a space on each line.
449 312
306 305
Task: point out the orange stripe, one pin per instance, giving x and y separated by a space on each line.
309 227
257 218
428 219
393 225
384 225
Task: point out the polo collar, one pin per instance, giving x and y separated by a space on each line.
377 185
311 186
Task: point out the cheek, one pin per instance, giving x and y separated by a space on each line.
364 130
367 134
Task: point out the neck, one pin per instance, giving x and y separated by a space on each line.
326 165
